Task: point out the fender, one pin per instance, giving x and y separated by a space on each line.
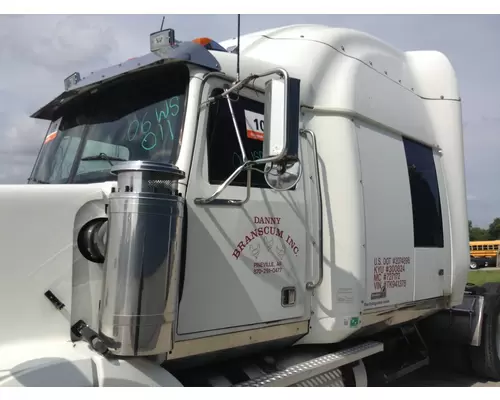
59 364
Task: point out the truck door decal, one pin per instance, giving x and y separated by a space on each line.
269 251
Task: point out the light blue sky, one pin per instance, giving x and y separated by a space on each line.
38 52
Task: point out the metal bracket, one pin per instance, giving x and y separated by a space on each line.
58 304
247 164
81 330
229 202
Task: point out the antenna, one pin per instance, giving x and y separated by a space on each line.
162 21
238 52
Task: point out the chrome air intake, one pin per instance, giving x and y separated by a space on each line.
142 262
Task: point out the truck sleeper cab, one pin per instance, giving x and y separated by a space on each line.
318 202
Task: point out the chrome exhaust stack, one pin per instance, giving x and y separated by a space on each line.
142 261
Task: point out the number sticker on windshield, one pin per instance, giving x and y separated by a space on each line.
255 125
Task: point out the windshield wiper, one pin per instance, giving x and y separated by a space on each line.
38 181
103 157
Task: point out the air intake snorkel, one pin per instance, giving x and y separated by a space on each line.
141 266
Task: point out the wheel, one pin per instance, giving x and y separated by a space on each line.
485 359
473 265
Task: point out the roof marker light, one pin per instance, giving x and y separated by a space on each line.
209 44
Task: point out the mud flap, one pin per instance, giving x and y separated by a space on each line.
485 358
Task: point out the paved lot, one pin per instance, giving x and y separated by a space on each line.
433 377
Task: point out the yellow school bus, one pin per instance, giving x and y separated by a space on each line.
486 248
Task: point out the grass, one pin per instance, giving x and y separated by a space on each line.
481 276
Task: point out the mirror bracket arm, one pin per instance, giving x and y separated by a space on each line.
247 164
236 130
213 199
282 73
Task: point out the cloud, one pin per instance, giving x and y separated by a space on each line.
38 53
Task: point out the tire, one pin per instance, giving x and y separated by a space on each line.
485 359
473 265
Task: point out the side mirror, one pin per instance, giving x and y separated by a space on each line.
281 119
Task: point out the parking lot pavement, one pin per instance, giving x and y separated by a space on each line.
437 377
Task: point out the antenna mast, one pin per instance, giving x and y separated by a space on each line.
238 52
162 21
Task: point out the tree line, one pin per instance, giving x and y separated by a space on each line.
490 233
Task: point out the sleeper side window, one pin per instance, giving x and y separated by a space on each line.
426 203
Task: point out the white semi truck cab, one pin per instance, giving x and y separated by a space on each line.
287 208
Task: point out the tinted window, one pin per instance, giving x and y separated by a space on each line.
224 154
137 117
426 204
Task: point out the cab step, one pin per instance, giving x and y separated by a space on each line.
317 372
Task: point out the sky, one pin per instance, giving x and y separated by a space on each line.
38 51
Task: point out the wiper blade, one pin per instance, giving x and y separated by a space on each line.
103 157
38 181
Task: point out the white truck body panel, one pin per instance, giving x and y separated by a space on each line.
54 363
39 250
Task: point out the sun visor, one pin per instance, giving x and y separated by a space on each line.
189 52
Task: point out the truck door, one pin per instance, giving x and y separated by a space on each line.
244 265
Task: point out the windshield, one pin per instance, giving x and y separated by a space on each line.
138 117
